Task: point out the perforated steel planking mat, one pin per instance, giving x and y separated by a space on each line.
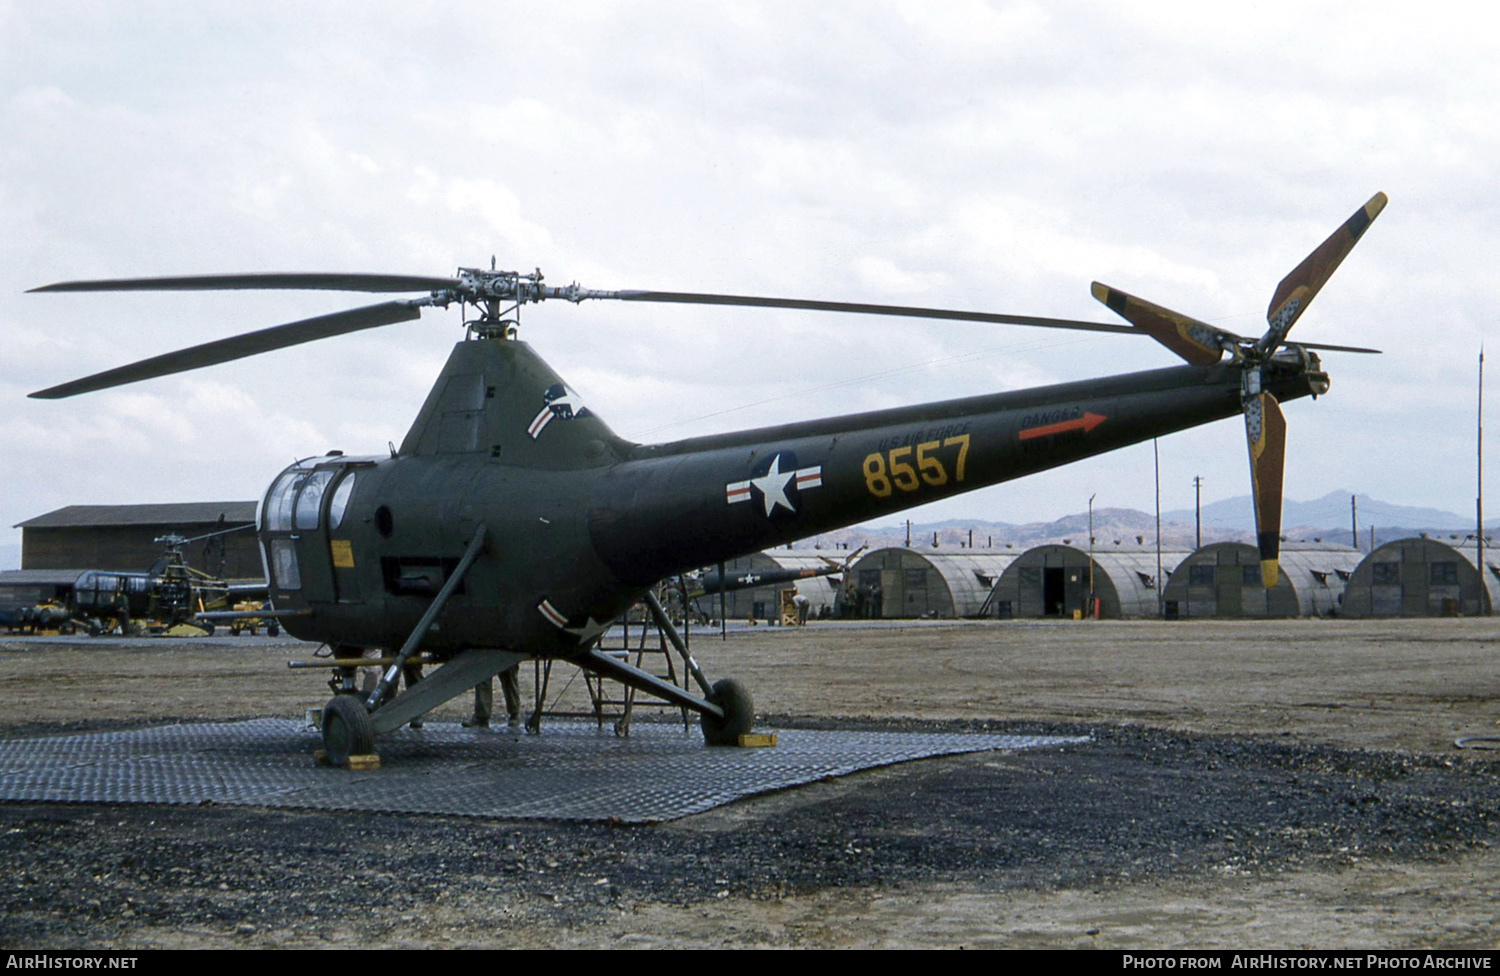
571 771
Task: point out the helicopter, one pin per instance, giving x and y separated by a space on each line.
513 524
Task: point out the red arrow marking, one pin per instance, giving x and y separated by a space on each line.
1085 423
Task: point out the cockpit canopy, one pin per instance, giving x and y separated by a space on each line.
309 497
295 500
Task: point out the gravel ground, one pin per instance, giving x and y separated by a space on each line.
1153 835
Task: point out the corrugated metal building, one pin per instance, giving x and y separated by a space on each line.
1223 579
123 537
1421 577
29 587
900 582
1053 581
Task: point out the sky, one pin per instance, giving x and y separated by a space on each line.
988 156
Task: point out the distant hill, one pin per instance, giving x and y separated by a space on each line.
1124 525
1330 510
1229 520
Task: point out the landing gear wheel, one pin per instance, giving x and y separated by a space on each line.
739 714
272 630
347 730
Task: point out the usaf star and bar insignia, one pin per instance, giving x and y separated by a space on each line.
558 402
587 633
779 486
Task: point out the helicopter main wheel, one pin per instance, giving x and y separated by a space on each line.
739 714
347 730
272 630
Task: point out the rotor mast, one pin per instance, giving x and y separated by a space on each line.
499 295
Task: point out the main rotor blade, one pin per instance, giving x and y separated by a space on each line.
237 347
1324 347
1306 279
863 308
268 280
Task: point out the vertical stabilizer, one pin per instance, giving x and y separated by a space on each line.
496 398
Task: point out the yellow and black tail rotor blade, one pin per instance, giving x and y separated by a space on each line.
1198 343
1298 288
1265 429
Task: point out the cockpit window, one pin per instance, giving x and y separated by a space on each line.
284 565
310 499
278 514
340 501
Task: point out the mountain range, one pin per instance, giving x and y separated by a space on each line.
1325 519
1330 510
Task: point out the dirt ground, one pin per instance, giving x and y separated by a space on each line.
1351 700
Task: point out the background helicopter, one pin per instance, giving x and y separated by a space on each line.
512 523
170 598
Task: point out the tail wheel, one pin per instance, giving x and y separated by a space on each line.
347 730
739 714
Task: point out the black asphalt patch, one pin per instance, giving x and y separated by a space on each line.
573 771
1132 805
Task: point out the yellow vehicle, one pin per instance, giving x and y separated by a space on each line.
242 625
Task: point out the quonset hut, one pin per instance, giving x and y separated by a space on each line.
1222 579
1053 581
1422 577
901 582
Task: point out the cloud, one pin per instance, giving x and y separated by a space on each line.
995 156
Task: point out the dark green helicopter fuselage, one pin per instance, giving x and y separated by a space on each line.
578 522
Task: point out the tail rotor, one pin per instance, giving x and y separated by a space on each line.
1201 344
1265 428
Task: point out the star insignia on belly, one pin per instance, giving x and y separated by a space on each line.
586 634
773 485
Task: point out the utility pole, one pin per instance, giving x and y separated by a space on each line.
1156 467
1353 522
1479 486
1198 511
1091 554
